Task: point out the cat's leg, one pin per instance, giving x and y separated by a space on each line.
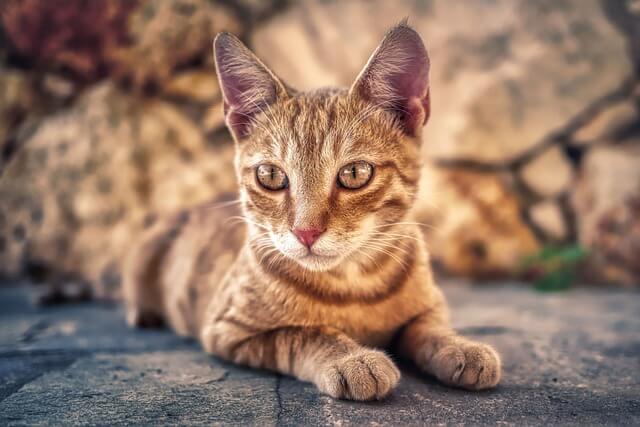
142 290
432 344
331 360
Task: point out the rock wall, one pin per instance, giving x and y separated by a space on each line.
533 139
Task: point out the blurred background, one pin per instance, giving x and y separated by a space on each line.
110 115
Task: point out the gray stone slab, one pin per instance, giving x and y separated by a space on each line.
75 327
184 387
18 369
569 358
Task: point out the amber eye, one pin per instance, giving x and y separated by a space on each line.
272 177
355 175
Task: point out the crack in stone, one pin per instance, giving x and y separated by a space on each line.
33 331
558 137
278 399
43 363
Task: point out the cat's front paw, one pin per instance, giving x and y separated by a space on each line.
365 375
469 365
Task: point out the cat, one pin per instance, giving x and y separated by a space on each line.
315 267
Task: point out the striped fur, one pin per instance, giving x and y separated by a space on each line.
232 274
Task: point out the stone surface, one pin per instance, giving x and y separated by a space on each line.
615 251
549 174
473 222
604 125
18 99
199 85
169 34
548 217
497 89
609 175
607 203
569 358
145 40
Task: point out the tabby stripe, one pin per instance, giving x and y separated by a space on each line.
394 203
407 180
261 201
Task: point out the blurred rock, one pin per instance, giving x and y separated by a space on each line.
604 125
167 34
58 86
197 85
19 99
213 119
547 216
606 203
72 35
85 183
497 88
16 97
548 174
143 40
616 248
465 231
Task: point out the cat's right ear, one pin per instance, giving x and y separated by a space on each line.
248 86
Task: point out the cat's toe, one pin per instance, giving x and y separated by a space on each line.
366 375
473 366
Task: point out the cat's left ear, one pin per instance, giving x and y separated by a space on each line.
248 86
396 78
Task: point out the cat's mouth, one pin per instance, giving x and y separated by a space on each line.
316 262
311 255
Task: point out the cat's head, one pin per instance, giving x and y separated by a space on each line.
323 173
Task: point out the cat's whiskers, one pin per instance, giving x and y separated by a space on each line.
247 221
211 205
371 258
278 258
382 248
397 237
262 245
419 224
268 252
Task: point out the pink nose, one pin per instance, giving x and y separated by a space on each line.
309 236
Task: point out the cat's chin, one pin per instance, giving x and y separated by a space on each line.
318 263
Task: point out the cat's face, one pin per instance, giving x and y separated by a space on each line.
327 165
322 174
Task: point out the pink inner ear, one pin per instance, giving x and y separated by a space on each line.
416 115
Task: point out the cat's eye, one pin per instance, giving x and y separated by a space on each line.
271 177
355 175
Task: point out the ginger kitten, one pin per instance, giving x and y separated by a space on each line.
316 265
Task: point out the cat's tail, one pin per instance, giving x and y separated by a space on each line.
143 270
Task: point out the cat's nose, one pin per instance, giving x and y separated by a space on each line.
307 236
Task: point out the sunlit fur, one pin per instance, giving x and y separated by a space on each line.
233 275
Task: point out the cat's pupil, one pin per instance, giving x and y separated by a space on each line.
355 175
271 177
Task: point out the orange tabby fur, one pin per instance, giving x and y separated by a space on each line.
233 275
